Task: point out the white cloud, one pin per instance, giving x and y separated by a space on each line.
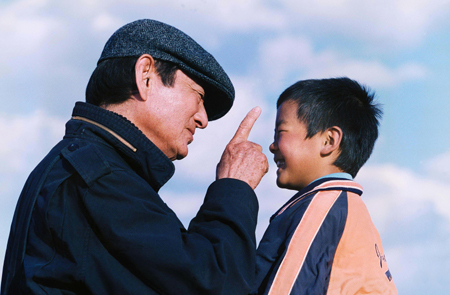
106 22
23 30
400 194
57 41
369 72
438 167
25 141
243 15
384 24
388 24
233 15
284 56
27 138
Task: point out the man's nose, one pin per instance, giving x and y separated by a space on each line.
201 117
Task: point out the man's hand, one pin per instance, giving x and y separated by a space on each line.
243 159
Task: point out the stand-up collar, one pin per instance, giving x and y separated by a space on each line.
322 184
147 159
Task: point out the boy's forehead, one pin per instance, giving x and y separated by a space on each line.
288 104
286 112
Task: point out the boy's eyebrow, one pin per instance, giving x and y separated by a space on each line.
278 123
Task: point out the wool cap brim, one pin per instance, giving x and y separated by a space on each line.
167 43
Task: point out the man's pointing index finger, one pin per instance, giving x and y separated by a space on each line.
246 125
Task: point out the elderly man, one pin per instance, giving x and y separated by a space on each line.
90 220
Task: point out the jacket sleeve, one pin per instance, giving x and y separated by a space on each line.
216 255
305 266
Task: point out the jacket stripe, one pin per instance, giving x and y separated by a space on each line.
301 241
120 138
347 185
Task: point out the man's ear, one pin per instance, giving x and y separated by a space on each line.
144 70
332 138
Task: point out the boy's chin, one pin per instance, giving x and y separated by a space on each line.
283 185
288 186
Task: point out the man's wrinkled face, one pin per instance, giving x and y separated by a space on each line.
176 112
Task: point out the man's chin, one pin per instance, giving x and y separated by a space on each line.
182 155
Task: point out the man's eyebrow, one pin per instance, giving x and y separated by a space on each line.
200 90
202 93
198 86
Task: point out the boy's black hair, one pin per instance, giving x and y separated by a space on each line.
114 80
338 102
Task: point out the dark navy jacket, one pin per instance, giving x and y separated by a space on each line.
90 221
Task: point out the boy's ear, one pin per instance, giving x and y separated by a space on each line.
331 140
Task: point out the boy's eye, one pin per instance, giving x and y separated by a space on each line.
277 133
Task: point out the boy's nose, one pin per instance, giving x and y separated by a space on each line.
273 147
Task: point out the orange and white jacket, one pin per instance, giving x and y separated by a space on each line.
323 241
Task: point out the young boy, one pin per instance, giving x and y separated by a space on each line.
322 241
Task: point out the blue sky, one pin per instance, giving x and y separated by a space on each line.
399 48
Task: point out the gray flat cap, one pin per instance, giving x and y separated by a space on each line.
167 43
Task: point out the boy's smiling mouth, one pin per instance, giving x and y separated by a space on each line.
280 163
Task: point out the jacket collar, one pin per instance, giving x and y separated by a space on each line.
143 156
322 184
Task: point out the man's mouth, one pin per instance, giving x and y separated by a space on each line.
192 131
